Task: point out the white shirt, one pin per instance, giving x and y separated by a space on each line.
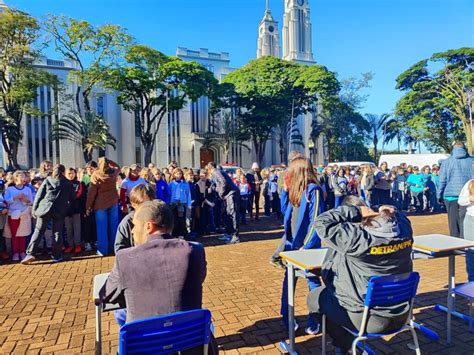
464 199
16 207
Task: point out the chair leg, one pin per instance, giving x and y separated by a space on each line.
206 349
415 338
354 345
323 347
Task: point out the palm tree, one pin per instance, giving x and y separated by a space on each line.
376 124
90 131
393 130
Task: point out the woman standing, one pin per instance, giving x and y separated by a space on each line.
366 184
74 213
382 188
18 199
301 202
340 187
102 199
51 203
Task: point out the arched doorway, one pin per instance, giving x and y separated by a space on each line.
206 156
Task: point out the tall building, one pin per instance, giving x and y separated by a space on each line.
268 43
297 45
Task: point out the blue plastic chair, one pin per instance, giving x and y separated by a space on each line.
385 291
167 334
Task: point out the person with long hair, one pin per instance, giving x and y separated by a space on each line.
340 184
75 212
366 183
301 202
51 204
103 200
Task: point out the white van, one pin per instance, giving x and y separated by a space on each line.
419 160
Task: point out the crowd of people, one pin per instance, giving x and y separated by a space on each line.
354 210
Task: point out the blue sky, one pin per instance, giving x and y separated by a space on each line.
349 36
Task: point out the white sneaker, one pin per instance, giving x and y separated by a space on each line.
16 257
22 256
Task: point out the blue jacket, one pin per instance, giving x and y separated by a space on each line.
162 192
310 207
454 172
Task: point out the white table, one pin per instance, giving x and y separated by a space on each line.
438 246
99 282
303 260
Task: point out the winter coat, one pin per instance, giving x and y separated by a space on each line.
54 197
102 190
454 173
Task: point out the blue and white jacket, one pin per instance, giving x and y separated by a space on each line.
312 205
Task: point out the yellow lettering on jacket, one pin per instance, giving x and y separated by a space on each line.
388 249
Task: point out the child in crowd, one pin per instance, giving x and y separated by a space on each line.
3 220
138 195
266 192
417 187
161 186
19 199
180 200
275 197
133 179
244 188
76 210
400 190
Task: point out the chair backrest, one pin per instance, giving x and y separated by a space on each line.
166 334
391 290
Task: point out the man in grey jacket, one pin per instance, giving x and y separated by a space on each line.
362 243
453 174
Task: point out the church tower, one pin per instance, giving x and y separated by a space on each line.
3 6
297 32
268 38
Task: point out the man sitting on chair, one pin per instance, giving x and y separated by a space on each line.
160 274
362 244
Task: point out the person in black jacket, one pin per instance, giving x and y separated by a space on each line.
51 203
230 194
74 213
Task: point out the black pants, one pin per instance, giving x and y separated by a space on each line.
88 229
323 301
456 215
254 199
330 200
232 214
40 228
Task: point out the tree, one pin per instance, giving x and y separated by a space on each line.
376 125
436 98
270 91
19 79
93 50
150 84
89 130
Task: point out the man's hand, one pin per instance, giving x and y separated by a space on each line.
366 212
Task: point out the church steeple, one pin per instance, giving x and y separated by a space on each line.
3 6
297 45
268 43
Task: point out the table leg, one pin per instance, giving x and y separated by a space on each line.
451 299
98 329
291 308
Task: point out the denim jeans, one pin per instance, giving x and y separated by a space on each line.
338 201
106 221
469 235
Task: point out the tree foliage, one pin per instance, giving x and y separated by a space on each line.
88 130
150 84
435 105
269 91
19 79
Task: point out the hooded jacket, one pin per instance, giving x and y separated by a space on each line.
357 252
454 172
54 197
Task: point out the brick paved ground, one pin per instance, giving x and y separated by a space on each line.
47 308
